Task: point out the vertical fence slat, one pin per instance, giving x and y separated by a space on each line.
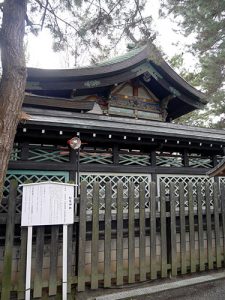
53 260
222 189
22 264
82 237
217 226
200 229
95 236
191 227
142 243
153 272
10 224
163 230
173 231
131 238
39 262
119 237
182 230
209 227
108 233
69 258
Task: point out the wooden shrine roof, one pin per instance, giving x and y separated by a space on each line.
99 79
219 169
124 125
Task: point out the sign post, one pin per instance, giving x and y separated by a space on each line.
47 203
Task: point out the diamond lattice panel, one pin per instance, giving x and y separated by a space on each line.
90 178
167 179
35 176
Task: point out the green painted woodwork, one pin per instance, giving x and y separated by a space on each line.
97 158
169 161
15 154
35 176
41 155
140 160
199 162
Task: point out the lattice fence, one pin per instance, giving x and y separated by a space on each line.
36 176
185 179
90 178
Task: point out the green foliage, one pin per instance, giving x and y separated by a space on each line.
205 20
91 29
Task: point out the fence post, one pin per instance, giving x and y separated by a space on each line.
217 224
82 237
119 236
153 272
95 236
7 264
173 230
142 243
163 231
182 230
200 229
191 227
108 233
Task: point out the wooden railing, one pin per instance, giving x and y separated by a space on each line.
151 238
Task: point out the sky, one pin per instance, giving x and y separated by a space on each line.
41 55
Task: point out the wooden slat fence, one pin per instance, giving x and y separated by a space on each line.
156 236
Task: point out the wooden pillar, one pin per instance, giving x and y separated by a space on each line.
73 161
24 151
185 158
115 154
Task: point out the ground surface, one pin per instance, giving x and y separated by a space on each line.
207 291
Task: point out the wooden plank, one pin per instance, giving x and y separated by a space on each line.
182 230
191 227
95 236
217 225
153 272
142 243
39 262
69 258
82 237
222 189
131 237
163 231
119 237
53 260
209 227
108 232
173 231
22 264
9 236
200 229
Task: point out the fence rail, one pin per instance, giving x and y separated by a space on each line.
150 237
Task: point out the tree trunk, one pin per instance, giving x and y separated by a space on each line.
13 80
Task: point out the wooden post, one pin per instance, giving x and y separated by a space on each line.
142 243
108 232
82 237
53 260
95 236
182 230
173 231
200 229
119 237
131 237
153 230
191 227
7 263
164 237
39 262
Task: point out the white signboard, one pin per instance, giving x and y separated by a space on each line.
47 203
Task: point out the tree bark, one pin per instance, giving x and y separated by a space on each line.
13 81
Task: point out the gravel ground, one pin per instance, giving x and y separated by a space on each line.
206 291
